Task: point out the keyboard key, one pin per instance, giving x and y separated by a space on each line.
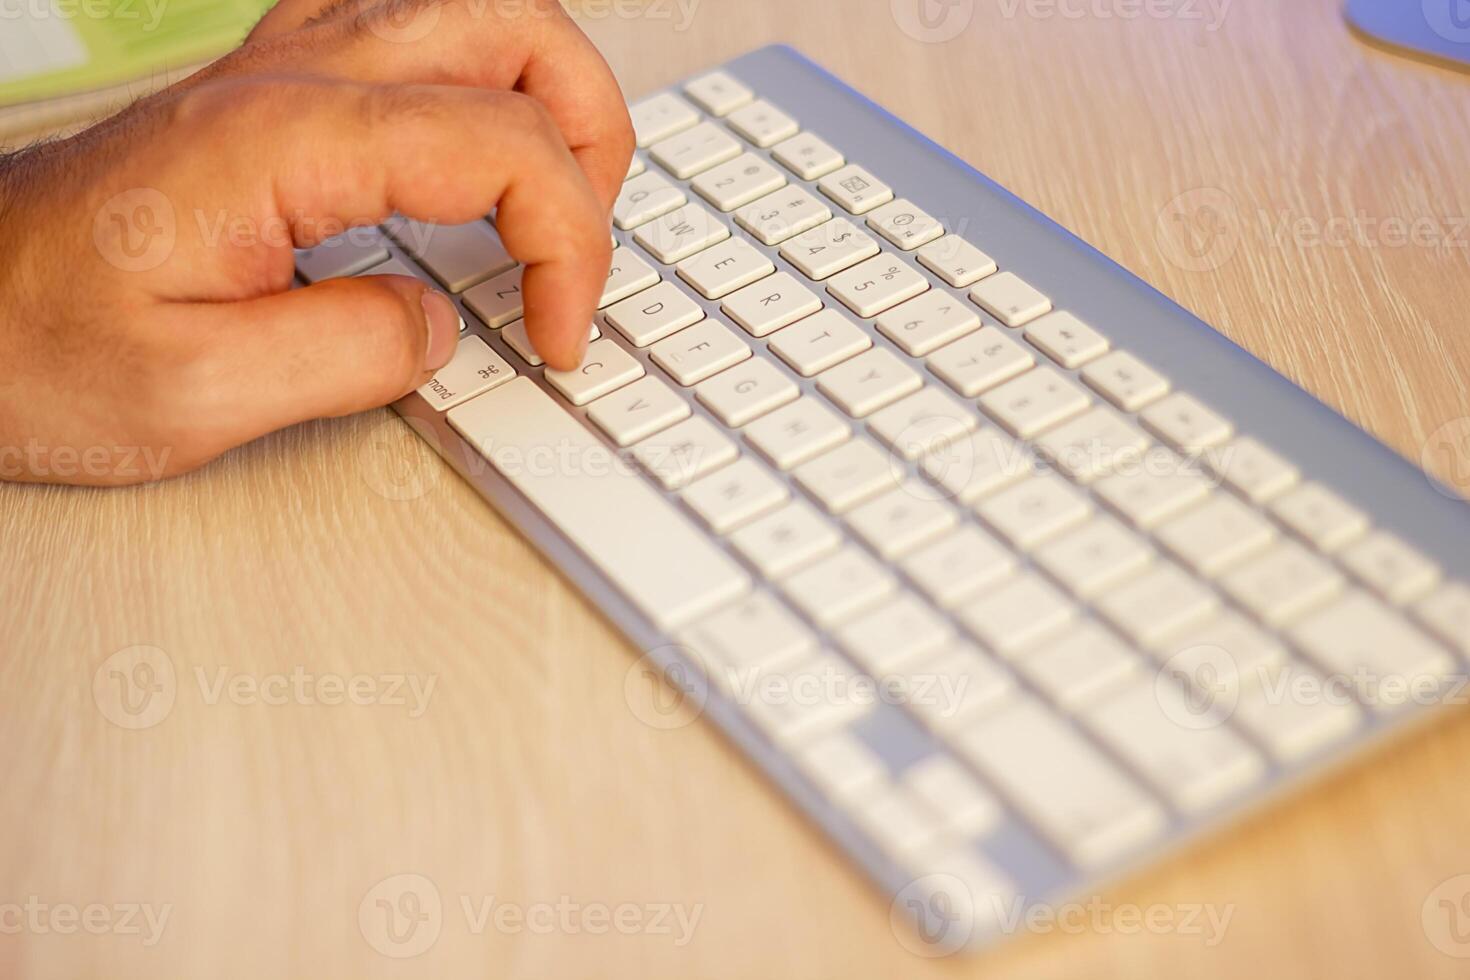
875 285
1252 471
869 381
677 235
1034 402
606 368
1010 299
653 314
970 469
901 520
520 341
1094 557
898 632
747 391
956 261
827 696
1125 381
1148 495
1217 534
718 93
1182 422
1446 611
787 539
792 435
829 248
1066 339
672 578
724 268
1081 666
842 767
1079 799
638 411
756 632
1093 444
905 224
819 342
659 117
628 274
1391 567
475 368
840 587
950 689
925 422
848 475
927 322
644 198
679 455
458 256
959 565
1161 602
1037 508
497 301
772 303
1320 517
347 254
735 495
699 352
856 190
944 786
1283 584
1293 727
636 166
979 361
762 123
1221 657
808 156
1019 614
737 183
898 824
782 214
695 150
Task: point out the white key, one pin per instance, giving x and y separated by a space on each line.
457 255
644 198
638 411
679 455
821 695
953 687
1446 611
606 368
956 261
1390 663
520 341
900 826
1161 602
735 184
818 342
1080 666
927 322
855 189
783 541
901 520
1195 766
724 268
1094 557
747 391
718 93
782 214
636 166
397 267
653 314
475 368
735 495
756 632
1221 657
497 301
628 274
1068 788
1010 299
1034 402
923 423
1184 423
347 254
829 248
695 150
808 156
1066 339
1125 381
982 464
959 565
868 382
1093 444
843 768
1294 727
791 435
762 123
1320 517
659 117
1217 534
948 790
1021 613
875 285
772 303
1391 567
673 577
1283 584
699 352
1251 470
1147 496
979 361
677 235
1034 510
905 224
897 632
848 475
839 587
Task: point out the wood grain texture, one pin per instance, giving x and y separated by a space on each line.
346 548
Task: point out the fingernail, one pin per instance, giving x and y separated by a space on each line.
443 322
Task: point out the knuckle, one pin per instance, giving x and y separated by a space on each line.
402 104
526 116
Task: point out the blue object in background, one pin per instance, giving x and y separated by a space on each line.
1438 29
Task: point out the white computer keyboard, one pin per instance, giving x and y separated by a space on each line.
994 595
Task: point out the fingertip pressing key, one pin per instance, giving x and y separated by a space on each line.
442 321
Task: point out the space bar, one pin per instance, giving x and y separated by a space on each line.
652 553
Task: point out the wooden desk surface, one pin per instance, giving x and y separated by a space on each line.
344 548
